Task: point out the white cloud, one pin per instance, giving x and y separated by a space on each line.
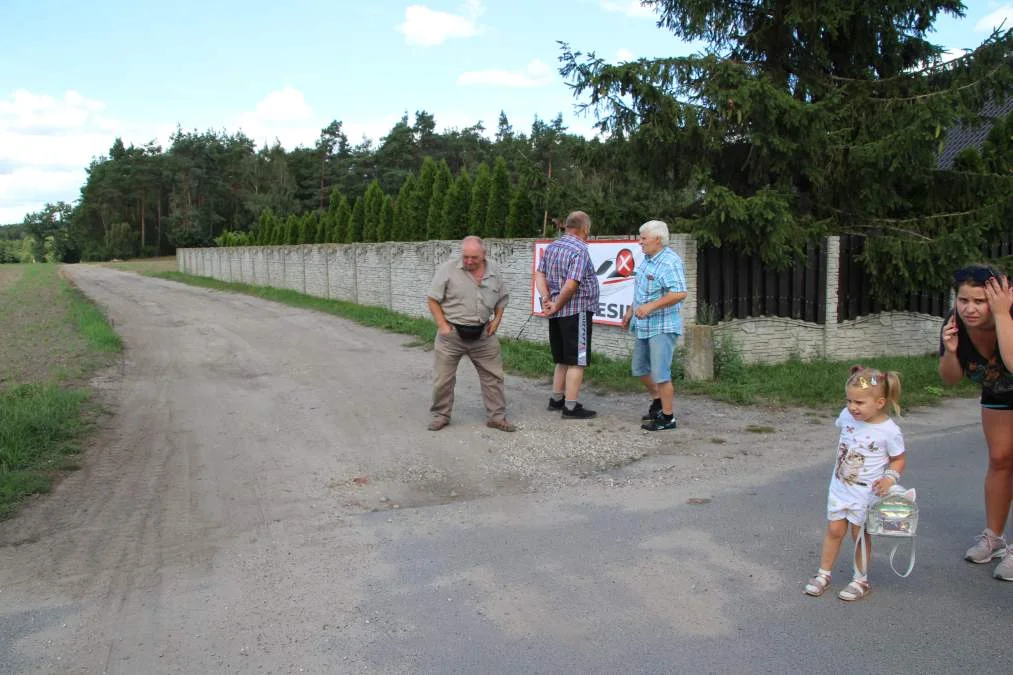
536 74
951 54
27 189
1002 16
624 56
45 145
284 115
428 27
628 7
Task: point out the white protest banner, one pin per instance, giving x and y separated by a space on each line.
614 261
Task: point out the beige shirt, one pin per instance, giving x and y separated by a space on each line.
462 299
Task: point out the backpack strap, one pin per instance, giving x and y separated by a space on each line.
910 565
860 544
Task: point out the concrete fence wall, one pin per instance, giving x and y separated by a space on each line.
396 275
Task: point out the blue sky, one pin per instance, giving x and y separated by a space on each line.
75 75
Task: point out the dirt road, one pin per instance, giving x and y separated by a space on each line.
223 518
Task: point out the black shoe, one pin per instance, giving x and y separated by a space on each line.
579 412
660 423
653 411
556 405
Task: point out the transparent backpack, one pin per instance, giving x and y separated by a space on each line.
893 515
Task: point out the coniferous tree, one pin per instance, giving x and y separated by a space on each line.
479 207
499 200
802 120
342 219
456 208
357 222
307 227
386 226
373 205
423 197
441 184
522 220
405 209
265 227
292 230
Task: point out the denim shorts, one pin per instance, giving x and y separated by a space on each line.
653 356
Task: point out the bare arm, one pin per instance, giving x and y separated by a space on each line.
565 293
1000 299
496 318
542 286
950 371
442 325
881 485
666 300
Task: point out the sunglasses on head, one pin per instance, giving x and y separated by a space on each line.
979 274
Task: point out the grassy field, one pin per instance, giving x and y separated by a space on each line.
811 383
52 338
146 266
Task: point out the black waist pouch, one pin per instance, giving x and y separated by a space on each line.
469 332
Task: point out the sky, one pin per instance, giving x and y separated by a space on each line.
74 76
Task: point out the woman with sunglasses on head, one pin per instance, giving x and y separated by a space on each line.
977 342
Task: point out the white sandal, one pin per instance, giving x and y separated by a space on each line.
818 584
855 590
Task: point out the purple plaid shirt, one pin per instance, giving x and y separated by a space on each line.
568 258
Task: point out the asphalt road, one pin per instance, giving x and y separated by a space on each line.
216 526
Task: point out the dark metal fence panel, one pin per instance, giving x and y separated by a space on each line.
739 286
854 298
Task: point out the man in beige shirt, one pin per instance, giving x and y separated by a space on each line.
466 298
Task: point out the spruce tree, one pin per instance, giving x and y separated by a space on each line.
499 200
801 120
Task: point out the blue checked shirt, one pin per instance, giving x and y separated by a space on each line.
568 258
658 276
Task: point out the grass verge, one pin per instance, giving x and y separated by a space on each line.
54 337
814 383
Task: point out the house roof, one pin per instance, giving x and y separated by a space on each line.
960 137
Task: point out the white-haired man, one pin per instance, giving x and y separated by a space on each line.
656 323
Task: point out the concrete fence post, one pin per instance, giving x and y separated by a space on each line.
831 296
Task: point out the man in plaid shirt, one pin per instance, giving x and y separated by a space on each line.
654 319
568 286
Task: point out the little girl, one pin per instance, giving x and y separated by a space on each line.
870 459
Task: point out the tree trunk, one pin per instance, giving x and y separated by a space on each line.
142 225
158 226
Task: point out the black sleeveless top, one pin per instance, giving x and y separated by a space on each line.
990 373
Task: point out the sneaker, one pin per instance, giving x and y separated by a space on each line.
988 547
1004 570
660 423
579 412
556 405
653 411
